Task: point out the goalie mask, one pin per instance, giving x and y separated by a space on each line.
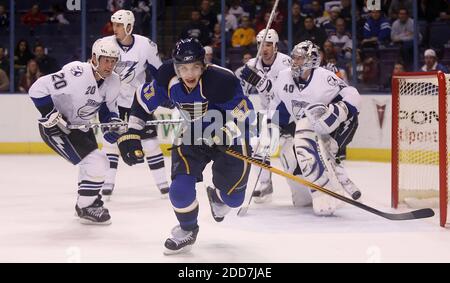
305 56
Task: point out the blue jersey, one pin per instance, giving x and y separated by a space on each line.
218 89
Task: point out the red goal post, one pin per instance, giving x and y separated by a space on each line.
419 147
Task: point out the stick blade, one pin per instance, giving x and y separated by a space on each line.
415 214
242 211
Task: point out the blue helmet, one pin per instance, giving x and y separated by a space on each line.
188 50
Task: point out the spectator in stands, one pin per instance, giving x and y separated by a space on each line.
359 66
114 5
216 40
253 7
310 32
22 55
4 81
207 17
431 63
57 15
396 5
298 20
342 41
34 17
244 36
317 13
142 13
4 20
377 30
209 56
236 9
330 24
47 64
231 22
4 62
346 12
398 68
402 34
196 29
261 24
30 76
371 71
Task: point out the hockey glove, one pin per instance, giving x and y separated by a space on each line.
252 77
54 124
111 134
326 119
130 147
224 137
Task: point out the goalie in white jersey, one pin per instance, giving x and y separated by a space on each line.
261 79
137 54
326 112
74 95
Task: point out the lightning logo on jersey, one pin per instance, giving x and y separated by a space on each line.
126 70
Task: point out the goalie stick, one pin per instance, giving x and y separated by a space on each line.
415 214
109 125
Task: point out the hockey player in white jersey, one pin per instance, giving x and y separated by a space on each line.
261 78
74 95
137 54
326 112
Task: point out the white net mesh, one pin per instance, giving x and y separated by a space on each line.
418 138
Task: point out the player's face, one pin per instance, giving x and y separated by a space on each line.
268 51
119 31
190 73
297 61
106 65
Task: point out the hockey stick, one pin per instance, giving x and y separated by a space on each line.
109 125
269 23
416 214
243 210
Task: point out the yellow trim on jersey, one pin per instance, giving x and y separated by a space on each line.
188 169
244 151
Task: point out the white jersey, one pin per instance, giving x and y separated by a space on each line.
282 61
133 63
75 92
323 86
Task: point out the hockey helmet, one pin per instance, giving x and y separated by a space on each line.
124 17
188 51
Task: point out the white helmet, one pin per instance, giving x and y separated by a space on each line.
124 17
272 36
104 47
311 54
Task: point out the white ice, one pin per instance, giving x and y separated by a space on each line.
37 223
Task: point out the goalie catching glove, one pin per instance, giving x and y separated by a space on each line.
130 147
252 77
326 119
54 124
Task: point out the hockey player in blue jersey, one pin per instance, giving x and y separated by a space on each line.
200 92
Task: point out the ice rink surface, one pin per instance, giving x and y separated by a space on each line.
37 223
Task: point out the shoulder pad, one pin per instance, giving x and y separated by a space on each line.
165 73
219 84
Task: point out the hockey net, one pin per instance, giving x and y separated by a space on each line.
420 139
